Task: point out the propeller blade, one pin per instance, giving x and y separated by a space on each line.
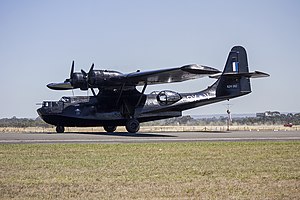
86 77
91 69
72 69
89 73
84 73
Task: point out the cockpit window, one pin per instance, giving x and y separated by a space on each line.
55 104
65 99
76 99
168 97
50 104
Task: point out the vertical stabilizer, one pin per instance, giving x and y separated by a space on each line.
232 82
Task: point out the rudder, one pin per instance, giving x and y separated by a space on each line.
232 82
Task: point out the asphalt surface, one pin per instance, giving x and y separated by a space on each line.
117 138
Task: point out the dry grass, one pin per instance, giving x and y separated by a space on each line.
220 170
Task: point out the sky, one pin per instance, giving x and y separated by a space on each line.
39 39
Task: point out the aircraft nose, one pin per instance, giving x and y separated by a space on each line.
39 111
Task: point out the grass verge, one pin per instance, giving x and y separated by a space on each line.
214 170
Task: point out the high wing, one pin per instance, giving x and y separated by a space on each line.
177 74
108 79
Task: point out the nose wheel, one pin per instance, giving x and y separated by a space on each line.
132 126
60 129
110 129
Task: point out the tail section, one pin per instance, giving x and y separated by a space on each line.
235 79
233 82
237 61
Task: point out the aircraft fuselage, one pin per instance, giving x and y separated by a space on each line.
112 110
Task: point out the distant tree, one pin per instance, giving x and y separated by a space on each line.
22 122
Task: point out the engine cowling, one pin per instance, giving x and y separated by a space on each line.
92 79
100 78
79 81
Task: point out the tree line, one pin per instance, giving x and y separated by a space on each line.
176 121
222 121
23 122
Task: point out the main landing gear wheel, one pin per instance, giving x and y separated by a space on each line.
133 126
110 129
60 129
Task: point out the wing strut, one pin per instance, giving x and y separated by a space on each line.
121 91
143 91
93 91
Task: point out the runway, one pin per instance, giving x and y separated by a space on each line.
117 138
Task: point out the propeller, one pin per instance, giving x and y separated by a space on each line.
66 85
88 75
71 74
76 80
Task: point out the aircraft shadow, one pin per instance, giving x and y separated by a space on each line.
122 134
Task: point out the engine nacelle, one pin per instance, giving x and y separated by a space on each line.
79 81
100 78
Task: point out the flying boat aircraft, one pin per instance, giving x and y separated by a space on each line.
119 103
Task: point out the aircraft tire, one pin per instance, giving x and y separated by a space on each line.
133 126
110 129
60 129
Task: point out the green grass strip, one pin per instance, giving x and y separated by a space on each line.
204 170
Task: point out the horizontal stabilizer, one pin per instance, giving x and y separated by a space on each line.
255 74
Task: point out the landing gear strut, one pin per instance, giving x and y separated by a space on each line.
60 129
132 126
110 129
